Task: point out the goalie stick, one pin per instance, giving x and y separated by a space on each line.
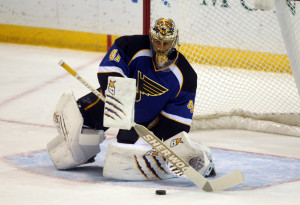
218 184
78 77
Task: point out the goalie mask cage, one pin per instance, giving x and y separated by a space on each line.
246 59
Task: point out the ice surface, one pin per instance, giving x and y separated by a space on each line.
31 82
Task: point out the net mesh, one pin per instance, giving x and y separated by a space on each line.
240 57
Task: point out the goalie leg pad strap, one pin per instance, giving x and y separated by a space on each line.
134 162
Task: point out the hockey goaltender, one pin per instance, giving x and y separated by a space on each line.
145 80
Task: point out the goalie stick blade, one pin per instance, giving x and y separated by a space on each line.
225 182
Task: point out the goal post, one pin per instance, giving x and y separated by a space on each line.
246 59
146 16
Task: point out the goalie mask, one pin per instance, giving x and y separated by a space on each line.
164 38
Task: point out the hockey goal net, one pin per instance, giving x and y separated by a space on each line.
247 61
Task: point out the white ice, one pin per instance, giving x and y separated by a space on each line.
31 82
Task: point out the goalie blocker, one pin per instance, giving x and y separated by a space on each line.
119 102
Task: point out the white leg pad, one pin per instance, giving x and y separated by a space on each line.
134 162
196 154
64 157
71 148
60 154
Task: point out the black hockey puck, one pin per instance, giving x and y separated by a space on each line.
160 192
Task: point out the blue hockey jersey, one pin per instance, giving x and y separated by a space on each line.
164 98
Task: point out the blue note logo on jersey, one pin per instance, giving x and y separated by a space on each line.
114 55
148 87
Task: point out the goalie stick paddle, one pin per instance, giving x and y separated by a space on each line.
219 184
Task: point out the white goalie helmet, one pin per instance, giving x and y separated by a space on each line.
164 39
